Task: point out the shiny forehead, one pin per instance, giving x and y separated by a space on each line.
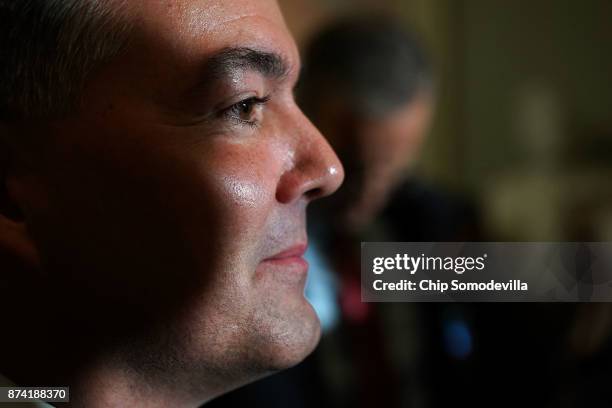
196 17
209 14
198 27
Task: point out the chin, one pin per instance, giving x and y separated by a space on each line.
291 339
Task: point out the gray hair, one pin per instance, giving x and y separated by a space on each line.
372 63
48 48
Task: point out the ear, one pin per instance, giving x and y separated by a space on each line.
17 249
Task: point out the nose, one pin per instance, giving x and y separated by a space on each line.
314 170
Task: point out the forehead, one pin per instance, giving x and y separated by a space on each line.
192 28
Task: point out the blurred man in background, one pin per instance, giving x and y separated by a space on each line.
369 84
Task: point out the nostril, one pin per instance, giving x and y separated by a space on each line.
315 193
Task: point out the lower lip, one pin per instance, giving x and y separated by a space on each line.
289 261
290 269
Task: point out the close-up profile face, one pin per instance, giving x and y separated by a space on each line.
179 188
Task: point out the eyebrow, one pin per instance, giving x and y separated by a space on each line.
269 64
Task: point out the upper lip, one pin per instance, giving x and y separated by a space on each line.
294 251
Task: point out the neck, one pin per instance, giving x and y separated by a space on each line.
49 348
97 377
111 383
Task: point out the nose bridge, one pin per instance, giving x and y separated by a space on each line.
315 170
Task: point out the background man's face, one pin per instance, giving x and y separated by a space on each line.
377 154
175 190
384 150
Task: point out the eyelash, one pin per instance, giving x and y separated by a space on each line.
233 112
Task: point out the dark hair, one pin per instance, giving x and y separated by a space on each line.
372 63
47 50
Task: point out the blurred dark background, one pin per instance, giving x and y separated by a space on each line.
522 134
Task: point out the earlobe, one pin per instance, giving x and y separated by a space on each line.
16 245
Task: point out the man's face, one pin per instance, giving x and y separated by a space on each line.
179 190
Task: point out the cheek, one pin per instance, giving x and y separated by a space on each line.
244 192
243 180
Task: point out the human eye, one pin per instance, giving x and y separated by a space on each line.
246 112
